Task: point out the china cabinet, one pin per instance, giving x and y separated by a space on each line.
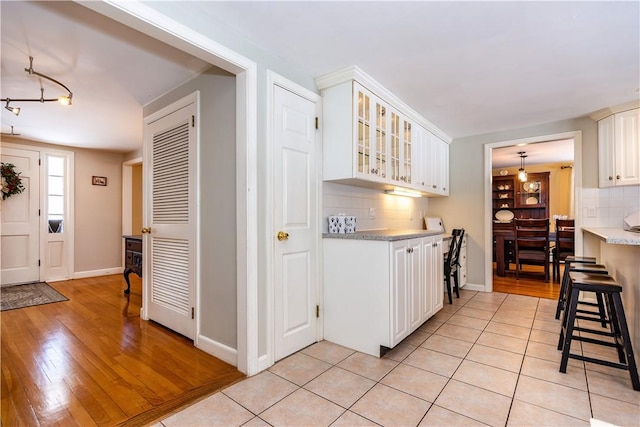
371 138
378 292
619 149
512 198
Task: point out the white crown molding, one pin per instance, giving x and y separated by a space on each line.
606 112
354 73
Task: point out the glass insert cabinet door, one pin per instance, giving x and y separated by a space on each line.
529 193
371 133
401 149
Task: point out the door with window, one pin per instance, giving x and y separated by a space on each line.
170 216
21 221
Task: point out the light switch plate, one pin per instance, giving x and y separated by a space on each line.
372 213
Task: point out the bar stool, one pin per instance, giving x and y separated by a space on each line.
599 304
571 259
619 332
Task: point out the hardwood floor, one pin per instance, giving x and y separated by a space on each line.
92 361
530 283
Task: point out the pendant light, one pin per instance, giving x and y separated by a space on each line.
522 174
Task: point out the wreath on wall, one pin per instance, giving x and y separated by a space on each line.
11 181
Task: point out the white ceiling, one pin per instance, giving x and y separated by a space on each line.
560 151
468 67
111 69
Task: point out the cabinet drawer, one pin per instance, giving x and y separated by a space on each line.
133 245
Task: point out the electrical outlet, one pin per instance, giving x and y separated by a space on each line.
410 215
372 213
591 212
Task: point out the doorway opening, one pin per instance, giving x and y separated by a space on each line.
563 198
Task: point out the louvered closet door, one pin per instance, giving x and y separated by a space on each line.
170 249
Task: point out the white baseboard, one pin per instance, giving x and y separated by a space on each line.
264 362
221 351
473 287
96 273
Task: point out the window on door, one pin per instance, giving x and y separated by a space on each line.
55 193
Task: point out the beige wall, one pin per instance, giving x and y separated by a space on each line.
217 200
136 199
465 205
98 210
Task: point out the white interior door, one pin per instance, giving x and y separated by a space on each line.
170 242
21 221
296 221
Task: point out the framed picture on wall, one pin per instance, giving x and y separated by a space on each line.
99 180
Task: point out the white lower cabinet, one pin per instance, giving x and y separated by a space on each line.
378 292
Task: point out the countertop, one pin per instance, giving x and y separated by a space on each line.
384 235
616 236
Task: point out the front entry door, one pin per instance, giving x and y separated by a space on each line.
20 220
295 222
170 246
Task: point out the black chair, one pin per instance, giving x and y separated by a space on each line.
564 244
532 244
452 263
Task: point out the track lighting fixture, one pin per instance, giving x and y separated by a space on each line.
14 110
62 99
522 174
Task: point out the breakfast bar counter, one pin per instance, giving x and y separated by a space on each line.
620 252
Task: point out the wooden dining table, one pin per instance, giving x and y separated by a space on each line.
504 232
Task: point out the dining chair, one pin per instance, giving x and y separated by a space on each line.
452 262
532 244
564 244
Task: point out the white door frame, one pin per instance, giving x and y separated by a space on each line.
275 79
154 24
127 182
577 183
69 220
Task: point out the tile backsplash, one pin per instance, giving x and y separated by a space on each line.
390 212
607 207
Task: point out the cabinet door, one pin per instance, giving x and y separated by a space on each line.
627 148
417 283
443 171
407 152
400 150
437 270
428 306
439 166
371 144
419 166
605 152
400 293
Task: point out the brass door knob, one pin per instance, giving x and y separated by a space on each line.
146 230
283 236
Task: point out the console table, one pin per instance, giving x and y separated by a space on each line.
132 258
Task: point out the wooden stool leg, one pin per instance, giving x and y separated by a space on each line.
631 361
568 329
601 310
563 290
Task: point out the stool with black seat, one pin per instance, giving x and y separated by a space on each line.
568 261
618 330
452 262
599 304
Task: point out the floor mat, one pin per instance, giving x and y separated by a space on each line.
28 295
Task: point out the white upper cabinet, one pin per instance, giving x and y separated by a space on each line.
619 149
371 138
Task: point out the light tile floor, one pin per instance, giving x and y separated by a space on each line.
488 359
